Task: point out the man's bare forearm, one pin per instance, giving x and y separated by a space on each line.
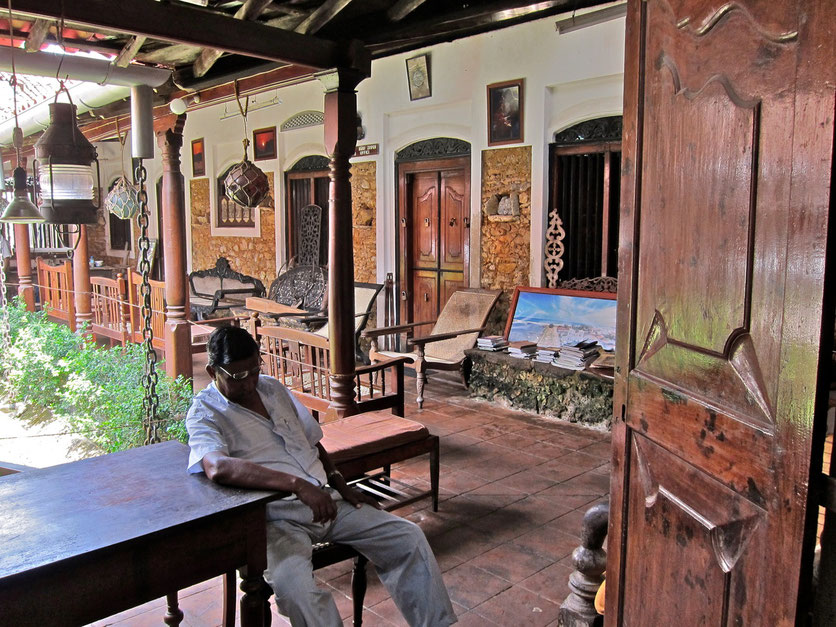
241 473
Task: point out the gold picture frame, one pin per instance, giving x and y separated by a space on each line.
418 77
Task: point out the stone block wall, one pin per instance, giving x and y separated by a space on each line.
505 240
363 212
254 256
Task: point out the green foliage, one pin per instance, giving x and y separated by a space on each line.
98 390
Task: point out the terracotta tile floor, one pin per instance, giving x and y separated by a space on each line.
514 488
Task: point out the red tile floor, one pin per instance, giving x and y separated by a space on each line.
514 487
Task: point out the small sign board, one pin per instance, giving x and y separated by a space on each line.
367 150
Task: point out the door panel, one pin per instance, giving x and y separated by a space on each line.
425 219
454 213
424 299
449 283
714 391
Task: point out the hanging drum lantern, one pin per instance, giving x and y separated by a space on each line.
246 184
64 170
123 199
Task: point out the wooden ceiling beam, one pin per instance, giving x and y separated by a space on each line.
37 35
189 25
401 9
321 16
128 52
250 10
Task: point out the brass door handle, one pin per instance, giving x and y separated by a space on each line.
426 297
403 294
466 222
426 221
453 221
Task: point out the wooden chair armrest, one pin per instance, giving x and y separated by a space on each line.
380 365
395 329
438 337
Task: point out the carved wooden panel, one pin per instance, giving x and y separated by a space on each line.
424 299
425 218
720 300
454 213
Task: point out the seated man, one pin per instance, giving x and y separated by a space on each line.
247 430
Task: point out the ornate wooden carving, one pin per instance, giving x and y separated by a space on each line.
595 284
436 148
311 163
308 237
590 561
554 249
598 130
303 120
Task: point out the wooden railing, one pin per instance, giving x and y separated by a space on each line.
137 324
109 305
55 285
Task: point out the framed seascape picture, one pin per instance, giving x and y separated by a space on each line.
264 143
198 158
563 316
505 112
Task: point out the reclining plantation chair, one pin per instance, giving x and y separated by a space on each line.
455 330
219 289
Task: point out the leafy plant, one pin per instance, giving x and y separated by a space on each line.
97 390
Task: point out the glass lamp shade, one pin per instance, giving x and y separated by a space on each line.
65 169
21 210
246 184
123 199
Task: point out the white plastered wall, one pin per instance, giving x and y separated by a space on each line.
569 78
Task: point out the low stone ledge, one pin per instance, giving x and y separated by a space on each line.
583 396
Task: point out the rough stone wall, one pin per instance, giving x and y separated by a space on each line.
254 256
505 244
363 212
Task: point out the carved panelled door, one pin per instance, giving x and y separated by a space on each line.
728 142
437 236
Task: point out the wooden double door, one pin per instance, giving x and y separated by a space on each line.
434 222
725 311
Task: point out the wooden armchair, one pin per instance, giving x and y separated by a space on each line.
454 331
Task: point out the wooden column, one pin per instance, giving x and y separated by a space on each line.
81 279
23 257
340 142
178 354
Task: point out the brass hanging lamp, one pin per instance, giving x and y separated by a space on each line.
64 168
246 184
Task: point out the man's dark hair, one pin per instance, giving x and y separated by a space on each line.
228 344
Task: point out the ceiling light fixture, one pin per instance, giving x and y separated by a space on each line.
21 210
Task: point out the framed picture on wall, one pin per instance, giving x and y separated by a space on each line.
505 112
418 77
198 158
571 316
264 143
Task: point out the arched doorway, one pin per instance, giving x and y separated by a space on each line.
433 222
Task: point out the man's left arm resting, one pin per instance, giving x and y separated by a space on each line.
338 482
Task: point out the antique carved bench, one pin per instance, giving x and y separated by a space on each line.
220 288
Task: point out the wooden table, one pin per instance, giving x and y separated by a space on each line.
85 540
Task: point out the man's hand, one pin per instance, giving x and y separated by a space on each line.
358 497
320 502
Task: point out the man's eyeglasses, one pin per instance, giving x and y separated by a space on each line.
240 376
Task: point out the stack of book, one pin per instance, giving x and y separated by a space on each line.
491 343
522 350
545 354
577 356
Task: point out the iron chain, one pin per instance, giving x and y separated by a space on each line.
151 401
5 325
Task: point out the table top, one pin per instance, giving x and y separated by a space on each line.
57 513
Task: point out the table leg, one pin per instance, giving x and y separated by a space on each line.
173 615
253 602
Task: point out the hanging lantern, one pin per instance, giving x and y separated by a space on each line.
21 210
64 169
123 199
246 184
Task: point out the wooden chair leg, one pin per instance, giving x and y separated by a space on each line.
173 615
230 582
358 588
434 473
